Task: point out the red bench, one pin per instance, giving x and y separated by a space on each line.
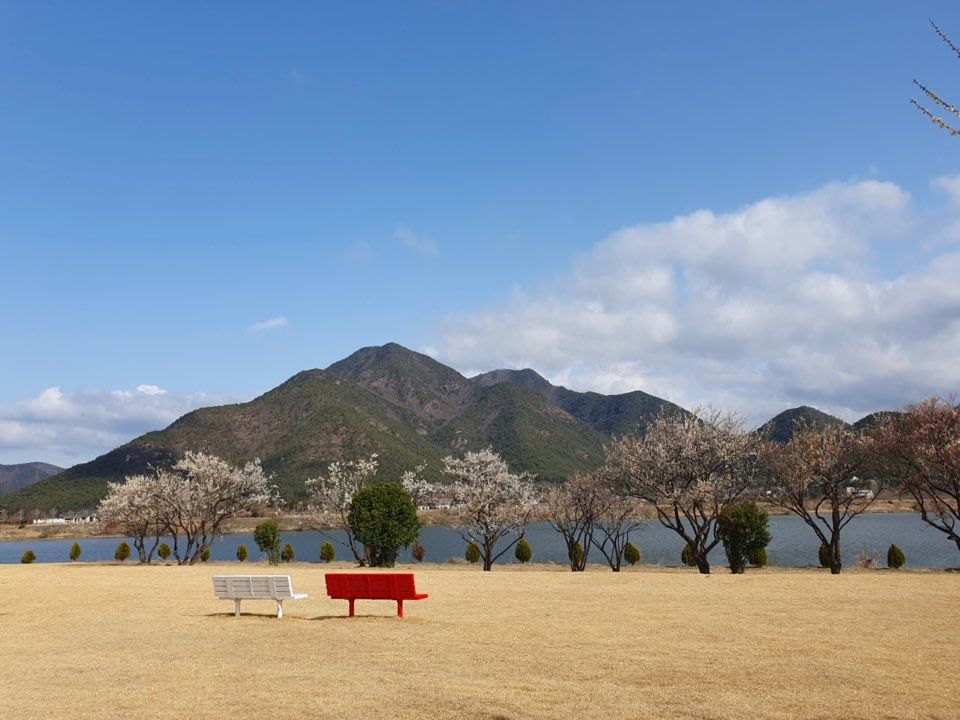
373 586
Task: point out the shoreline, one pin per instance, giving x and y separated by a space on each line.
304 523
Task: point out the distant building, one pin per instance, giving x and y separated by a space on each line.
68 518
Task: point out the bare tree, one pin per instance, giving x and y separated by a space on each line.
490 502
936 99
921 450
821 475
572 509
333 495
687 467
617 516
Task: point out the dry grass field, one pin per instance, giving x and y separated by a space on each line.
104 641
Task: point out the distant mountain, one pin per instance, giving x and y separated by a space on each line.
15 477
296 430
401 404
873 419
781 427
610 415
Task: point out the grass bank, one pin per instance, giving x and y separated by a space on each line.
106 641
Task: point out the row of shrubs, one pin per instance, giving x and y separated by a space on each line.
757 556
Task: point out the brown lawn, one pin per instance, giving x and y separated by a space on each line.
105 641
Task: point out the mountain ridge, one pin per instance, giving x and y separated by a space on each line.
404 405
20 475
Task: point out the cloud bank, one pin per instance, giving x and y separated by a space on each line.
65 429
790 300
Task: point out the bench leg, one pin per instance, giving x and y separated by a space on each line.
236 608
351 601
279 609
399 608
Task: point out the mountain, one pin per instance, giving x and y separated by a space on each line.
526 428
867 422
610 415
15 477
429 389
781 427
403 405
296 429
528 431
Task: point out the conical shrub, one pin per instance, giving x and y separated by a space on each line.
164 551
895 558
824 555
686 557
75 552
242 553
327 552
473 553
523 551
122 552
287 553
632 554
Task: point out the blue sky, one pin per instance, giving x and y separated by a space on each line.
451 176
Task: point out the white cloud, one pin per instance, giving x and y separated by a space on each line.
779 303
950 185
415 241
272 323
65 429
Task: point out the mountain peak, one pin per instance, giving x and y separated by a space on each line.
782 426
409 379
526 377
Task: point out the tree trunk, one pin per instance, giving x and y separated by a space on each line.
703 565
138 544
835 562
487 555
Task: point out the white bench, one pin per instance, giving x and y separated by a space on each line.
255 587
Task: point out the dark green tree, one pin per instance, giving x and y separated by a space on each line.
523 552
267 537
758 557
383 518
122 553
824 555
28 557
742 527
327 552
686 557
631 553
473 553
895 558
242 553
287 553
163 551
205 553
75 552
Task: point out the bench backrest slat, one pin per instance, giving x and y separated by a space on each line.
252 587
372 586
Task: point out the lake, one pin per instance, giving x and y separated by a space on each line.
793 544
